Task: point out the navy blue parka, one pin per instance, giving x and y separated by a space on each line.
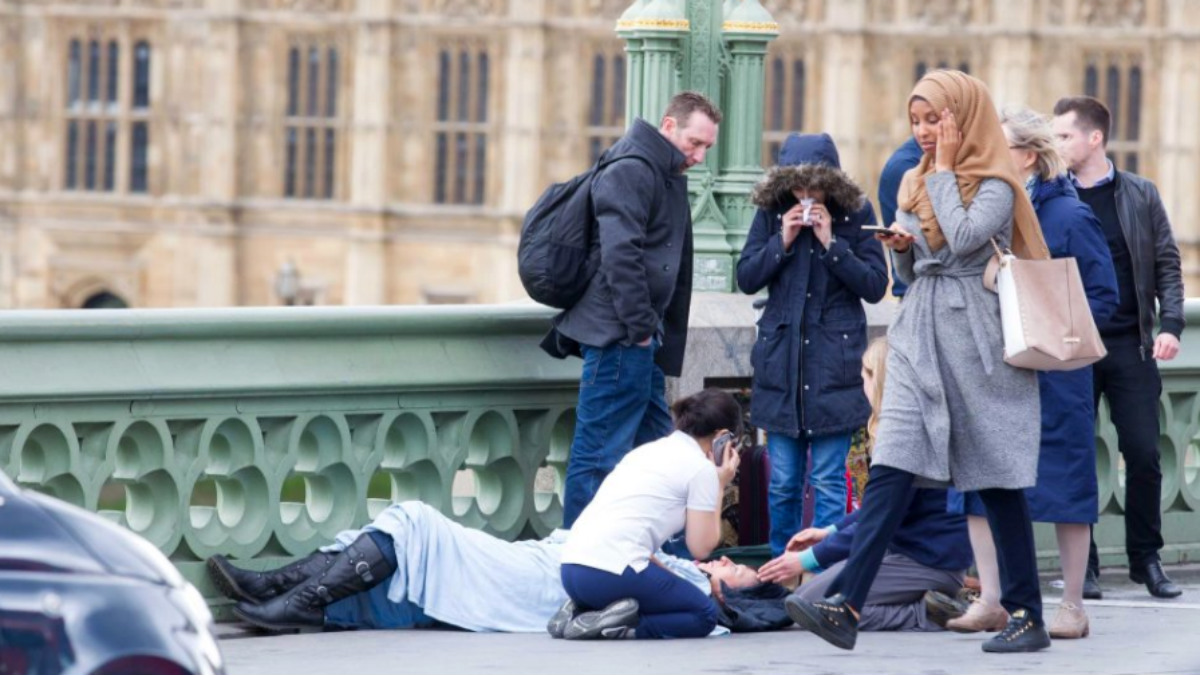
811 336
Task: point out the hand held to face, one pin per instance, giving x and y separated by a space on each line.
793 220
729 458
949 140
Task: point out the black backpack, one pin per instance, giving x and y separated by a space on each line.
557 255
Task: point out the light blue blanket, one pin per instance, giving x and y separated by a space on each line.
464 577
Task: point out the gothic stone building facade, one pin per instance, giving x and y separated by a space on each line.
180 153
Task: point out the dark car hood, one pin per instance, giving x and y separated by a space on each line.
42 533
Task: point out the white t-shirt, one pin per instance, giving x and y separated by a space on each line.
642 503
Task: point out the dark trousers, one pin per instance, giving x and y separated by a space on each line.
885 503
1133 387
668 606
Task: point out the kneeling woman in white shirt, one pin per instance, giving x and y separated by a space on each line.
658 489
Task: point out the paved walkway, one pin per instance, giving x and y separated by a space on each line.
1132 633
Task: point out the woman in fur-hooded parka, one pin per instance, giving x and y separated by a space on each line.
813 331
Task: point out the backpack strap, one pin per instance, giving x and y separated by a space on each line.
605 161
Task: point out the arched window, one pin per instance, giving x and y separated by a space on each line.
461 124
310 135
104 300
606 105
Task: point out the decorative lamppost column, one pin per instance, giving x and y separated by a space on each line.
747 29
702 71
654 30
718 49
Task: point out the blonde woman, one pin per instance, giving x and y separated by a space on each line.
874 372
1065 493
929 552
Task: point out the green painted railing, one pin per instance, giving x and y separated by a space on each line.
260 433
1179 444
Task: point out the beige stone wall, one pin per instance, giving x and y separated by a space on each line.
214 226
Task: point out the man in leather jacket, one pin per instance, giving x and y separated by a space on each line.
1146 260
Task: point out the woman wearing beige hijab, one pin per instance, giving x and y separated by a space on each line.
953 412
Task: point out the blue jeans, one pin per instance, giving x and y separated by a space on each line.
786 494
622 404
668 605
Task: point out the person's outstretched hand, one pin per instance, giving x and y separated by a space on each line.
806 538
781 569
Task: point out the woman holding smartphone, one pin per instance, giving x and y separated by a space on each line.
807 246
954 413
658 489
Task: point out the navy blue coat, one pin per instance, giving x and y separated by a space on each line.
932 533
808 357
1066 483
904 158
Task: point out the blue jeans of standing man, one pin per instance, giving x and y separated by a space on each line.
786 494
622 404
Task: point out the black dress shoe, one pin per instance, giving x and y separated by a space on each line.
1156 580
829 619
1022 634
1091 586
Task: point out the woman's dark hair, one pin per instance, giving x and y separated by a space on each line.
704 413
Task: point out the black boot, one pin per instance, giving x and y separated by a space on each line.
1091 586
1156 580
830 619
256 587
358 568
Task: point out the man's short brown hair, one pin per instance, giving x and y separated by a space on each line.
1090 114
685 103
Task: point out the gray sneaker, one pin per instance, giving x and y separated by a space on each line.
618 620
558 622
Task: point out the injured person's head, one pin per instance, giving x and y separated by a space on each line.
724 570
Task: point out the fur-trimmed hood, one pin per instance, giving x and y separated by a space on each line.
808 161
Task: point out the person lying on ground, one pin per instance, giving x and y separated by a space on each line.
437 571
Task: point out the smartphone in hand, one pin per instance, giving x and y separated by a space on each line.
880 230
719 444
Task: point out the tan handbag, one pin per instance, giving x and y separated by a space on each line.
1044 312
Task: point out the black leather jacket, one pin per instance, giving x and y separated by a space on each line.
1155 256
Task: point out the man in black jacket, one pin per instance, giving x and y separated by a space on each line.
1146 259
630 326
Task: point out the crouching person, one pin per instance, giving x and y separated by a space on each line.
672 484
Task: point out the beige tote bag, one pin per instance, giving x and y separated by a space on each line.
1044 312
